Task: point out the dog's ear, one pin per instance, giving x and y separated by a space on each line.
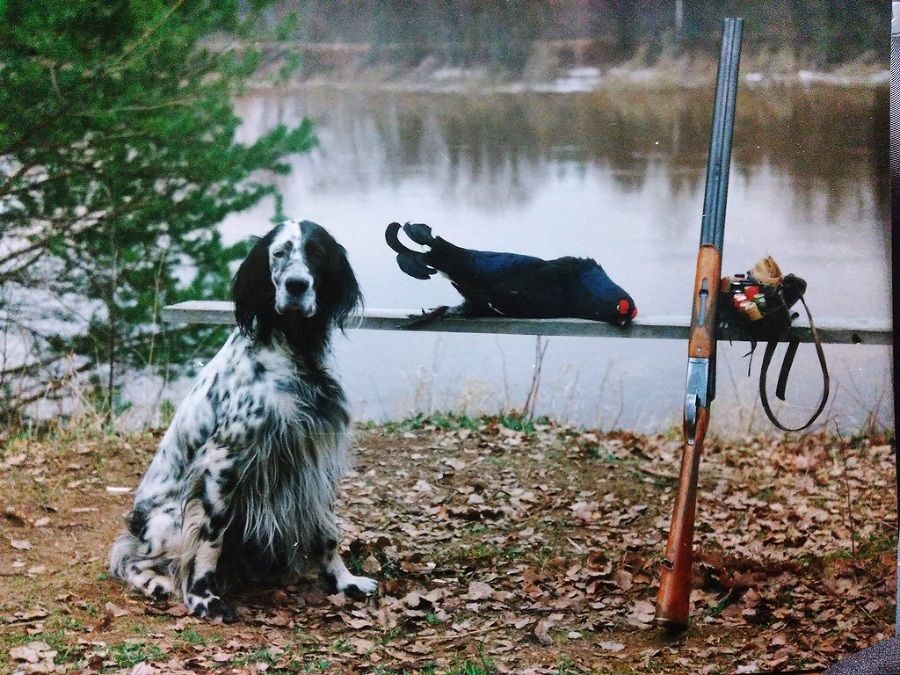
350 299
253 293
339 292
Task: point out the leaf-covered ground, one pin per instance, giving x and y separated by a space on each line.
500 546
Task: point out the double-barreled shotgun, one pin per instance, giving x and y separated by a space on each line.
673 600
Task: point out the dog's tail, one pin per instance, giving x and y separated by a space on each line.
414 263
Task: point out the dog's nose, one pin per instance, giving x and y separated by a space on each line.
296 285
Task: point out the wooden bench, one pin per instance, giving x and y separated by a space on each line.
661 327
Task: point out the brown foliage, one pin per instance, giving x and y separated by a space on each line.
497 550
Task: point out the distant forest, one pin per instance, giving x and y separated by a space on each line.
821 34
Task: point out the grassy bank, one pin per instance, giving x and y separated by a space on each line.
501 544
557 65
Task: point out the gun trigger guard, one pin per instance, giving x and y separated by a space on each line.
697 394
690 416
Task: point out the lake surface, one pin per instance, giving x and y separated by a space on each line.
613 175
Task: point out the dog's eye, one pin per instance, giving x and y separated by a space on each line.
278 254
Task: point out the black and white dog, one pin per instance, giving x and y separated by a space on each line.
242 488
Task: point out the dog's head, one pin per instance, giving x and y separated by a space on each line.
295 276
288 253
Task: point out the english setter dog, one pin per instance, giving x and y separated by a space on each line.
242 487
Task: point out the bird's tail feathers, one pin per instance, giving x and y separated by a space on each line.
419 233
411 262
390 236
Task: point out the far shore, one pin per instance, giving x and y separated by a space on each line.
431 76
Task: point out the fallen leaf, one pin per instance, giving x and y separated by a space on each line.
623 579
32 614
479 590
361 645
611 646
371 565
423 486
643 611
542 632
33 652
356 623
144 668
27 653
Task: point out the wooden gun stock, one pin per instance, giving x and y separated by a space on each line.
673 599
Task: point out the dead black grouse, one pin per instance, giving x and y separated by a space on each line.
511 284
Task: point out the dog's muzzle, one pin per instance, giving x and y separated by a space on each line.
296 294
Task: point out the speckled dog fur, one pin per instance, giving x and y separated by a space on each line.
243 485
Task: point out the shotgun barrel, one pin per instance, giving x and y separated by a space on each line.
673 599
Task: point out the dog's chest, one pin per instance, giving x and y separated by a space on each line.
262 391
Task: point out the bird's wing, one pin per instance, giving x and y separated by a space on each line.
527 288
470 267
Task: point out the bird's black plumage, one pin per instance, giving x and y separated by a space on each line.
511 284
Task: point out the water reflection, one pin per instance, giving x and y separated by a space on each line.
617 175
817 138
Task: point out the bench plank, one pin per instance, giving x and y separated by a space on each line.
832 331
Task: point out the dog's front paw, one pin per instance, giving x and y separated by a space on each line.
351 584
159 587
211 607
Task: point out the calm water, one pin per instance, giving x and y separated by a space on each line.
615 176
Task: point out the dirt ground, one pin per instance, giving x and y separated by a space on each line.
500 546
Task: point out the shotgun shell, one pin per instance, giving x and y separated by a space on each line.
739 299
760 301
749 308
